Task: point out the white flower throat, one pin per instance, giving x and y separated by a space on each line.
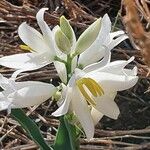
92 86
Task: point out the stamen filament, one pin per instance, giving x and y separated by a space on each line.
87 97
94 88
97 87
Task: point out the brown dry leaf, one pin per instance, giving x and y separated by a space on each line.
133 13
76 12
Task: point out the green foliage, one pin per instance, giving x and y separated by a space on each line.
31 128
66 138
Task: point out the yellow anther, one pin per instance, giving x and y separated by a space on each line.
85 94
25 47
94 88
97 87
90 86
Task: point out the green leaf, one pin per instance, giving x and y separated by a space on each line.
62 41
88 37
66 138
66 29
31 128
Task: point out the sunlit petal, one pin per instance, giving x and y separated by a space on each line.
115 67
82 112
116 34
4 105
26 61
32 93
32 38
113 82
100 64
95 52
47 33
106 105
116 41
61 70
63 109
96 115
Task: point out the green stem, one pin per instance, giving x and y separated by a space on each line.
60 60
73 55
68 67
67 138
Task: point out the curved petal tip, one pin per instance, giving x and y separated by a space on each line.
40 14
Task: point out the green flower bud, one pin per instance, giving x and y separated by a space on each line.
88 37
66 29
62 41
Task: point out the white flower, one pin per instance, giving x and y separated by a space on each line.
91 45
91 92
23 94
104 41
40 45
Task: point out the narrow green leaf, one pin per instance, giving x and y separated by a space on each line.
62 41
30 127
66 29
88 37
66 138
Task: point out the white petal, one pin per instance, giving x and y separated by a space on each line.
106 105
131 72
32 93
27 61
82 112
113 82
4 105
116 41
61 70
1 96
32 38
100 64
115 67
116 34
63 109
78 73
96 115
47 33
63 95
95 52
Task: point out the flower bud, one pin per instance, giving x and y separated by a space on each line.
62 41
66 29
88 37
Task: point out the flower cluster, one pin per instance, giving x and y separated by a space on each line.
90 81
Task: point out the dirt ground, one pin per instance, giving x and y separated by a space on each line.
131 131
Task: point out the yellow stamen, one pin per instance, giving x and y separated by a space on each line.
97 87
89 85
25 47
92 86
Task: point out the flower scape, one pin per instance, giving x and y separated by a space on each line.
89 79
